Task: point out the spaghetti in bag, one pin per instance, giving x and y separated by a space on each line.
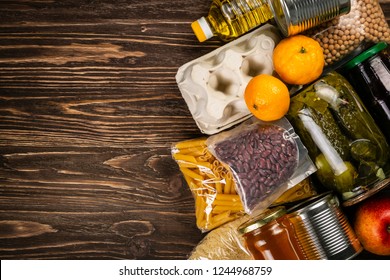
211 183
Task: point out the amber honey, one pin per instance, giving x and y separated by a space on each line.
271 236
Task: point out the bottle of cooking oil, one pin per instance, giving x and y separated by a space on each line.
229 19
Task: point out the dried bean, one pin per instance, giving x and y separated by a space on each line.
269 165
262 164
289 150
266 153
249 148
268 146
246 167
273 160
277 168
261 179
261 159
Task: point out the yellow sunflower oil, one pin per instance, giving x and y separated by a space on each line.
228 19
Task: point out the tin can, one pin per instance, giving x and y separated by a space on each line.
271 236
295 16
323 230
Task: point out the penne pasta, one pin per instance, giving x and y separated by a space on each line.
191 143
222 208
191 173
186 158
231 203
192 151
218 186
188 164
210 182
205 165
228 197
227 185
200 208
219 217
215 224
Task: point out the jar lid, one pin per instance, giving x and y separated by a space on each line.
385 183
261 220
365 55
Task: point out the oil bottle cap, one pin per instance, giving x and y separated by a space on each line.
202 29
365 55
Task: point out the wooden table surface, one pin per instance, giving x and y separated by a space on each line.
89 108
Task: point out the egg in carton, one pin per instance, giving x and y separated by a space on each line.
213 85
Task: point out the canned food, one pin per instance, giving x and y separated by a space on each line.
323 230
271 236
295 16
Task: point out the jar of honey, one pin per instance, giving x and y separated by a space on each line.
271 236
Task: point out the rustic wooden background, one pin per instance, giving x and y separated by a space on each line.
89 108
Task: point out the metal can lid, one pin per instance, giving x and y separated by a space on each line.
365 55
262 219
314 204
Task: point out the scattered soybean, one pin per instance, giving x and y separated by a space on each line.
342 35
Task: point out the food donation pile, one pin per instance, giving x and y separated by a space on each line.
291 141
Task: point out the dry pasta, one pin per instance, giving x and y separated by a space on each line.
300 191
211 183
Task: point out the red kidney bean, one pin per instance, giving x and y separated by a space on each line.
262 159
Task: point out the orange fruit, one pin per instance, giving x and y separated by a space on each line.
267 97
298 60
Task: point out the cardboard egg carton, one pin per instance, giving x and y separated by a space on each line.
213 85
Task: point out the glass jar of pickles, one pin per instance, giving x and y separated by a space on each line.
348 148
271 236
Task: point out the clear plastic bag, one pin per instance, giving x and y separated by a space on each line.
302 190
223 243
211 183
342 35
266 158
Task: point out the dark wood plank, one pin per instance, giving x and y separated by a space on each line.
89 108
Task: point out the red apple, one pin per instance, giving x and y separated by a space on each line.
372 224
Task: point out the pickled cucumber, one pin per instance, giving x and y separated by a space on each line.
363 150
342 183
354 120
320 113
332 132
